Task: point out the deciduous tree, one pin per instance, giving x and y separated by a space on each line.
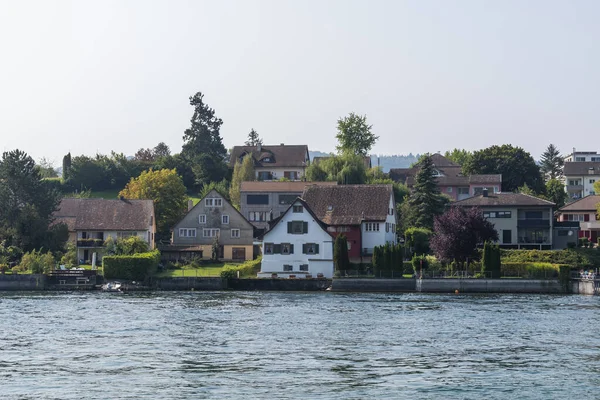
555 192
354 135
458 156
242 172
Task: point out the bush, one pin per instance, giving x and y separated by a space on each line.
572 245
418 240
3 268
533 270
37 262
574 257
583 242
418 263
246 270
407 268
131 267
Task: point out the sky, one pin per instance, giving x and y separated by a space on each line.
89 77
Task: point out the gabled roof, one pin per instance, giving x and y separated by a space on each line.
588 203
306 206
440 161
212 194
581 168
281 156
349 204
504 199
104 215
279 187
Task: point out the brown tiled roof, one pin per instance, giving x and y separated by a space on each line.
104 215
349 204
504 199
588 203
279 187
281 156
440 161
581 168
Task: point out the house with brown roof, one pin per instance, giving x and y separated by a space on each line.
580 177
584 212
451 181
92 221
272 163
261 202
521 220
365 214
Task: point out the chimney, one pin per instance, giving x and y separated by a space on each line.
281 144
190 204
485 192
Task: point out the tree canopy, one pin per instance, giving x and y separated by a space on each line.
551 162
458 156
354 135
515 164
243 171
425 201
555 192
253 139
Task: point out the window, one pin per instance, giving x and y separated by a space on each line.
304 267
574 182
595 159
291 175
287 248
592 180
269 248
235 233
372 226
225 219
387 226
210 232
506 236
264 176
202 219
297 227
463 190
208 202
187 232
257 216
213 202
497 214
533 215
579 158
120 235
257 199
391 211
449 189
310 248
298 209
287 268
341 229
266 159
287 199
575 217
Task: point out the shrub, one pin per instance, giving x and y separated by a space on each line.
3 268
418 263
131 267
246 270
572 245
407 268
532 270
37 262
418 239
583 242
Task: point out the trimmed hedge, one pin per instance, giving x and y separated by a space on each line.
533 270
579 258
247 269
136 267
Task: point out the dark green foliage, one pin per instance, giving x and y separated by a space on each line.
102 172
354 135
419 263
253 139
377 261
572 245
314 173
136 267
341 260
426 201
515 164
249 269
580 257
555 192
387 260
551 162
490 261
66 166
564 277
583 242
532 270
418 240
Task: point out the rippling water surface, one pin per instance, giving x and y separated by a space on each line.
231 345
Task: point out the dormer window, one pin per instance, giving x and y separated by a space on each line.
267 159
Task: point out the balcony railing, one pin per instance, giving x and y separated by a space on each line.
90 243
574 188
533 223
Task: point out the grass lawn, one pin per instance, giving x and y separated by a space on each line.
209 270
194 198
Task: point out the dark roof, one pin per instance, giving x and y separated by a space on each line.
504 199
279 187
440 161
349 204
281 156
104 215
581 168
306 206
588 203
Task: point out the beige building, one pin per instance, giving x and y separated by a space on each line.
272 163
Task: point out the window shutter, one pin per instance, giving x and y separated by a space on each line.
276 249
316 248
586 217
304 248
291 249
305 227
290 227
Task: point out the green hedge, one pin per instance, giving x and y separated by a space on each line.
135 267
582 257
249 269
533 270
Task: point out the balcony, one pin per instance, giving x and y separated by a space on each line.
533 223
592 225
574 188
90 243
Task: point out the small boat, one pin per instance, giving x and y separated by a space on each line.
111 287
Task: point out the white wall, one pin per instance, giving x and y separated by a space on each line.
278 172
316 234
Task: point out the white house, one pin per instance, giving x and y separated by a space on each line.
378 232
297 245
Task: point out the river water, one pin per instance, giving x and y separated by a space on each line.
266 345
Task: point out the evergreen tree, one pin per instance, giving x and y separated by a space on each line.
242 172
253 139
551 162
66 167
340 254
426 201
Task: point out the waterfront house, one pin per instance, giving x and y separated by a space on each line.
297 245
365 214
272 163
584 213
522 221
213 220
450 179
92 221
261 202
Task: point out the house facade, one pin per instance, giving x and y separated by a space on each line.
212 220
579 177
272 163
583 156
522 221
297 245
451 180
365 214
261 202
92 221
583 212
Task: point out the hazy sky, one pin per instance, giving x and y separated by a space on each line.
96 76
